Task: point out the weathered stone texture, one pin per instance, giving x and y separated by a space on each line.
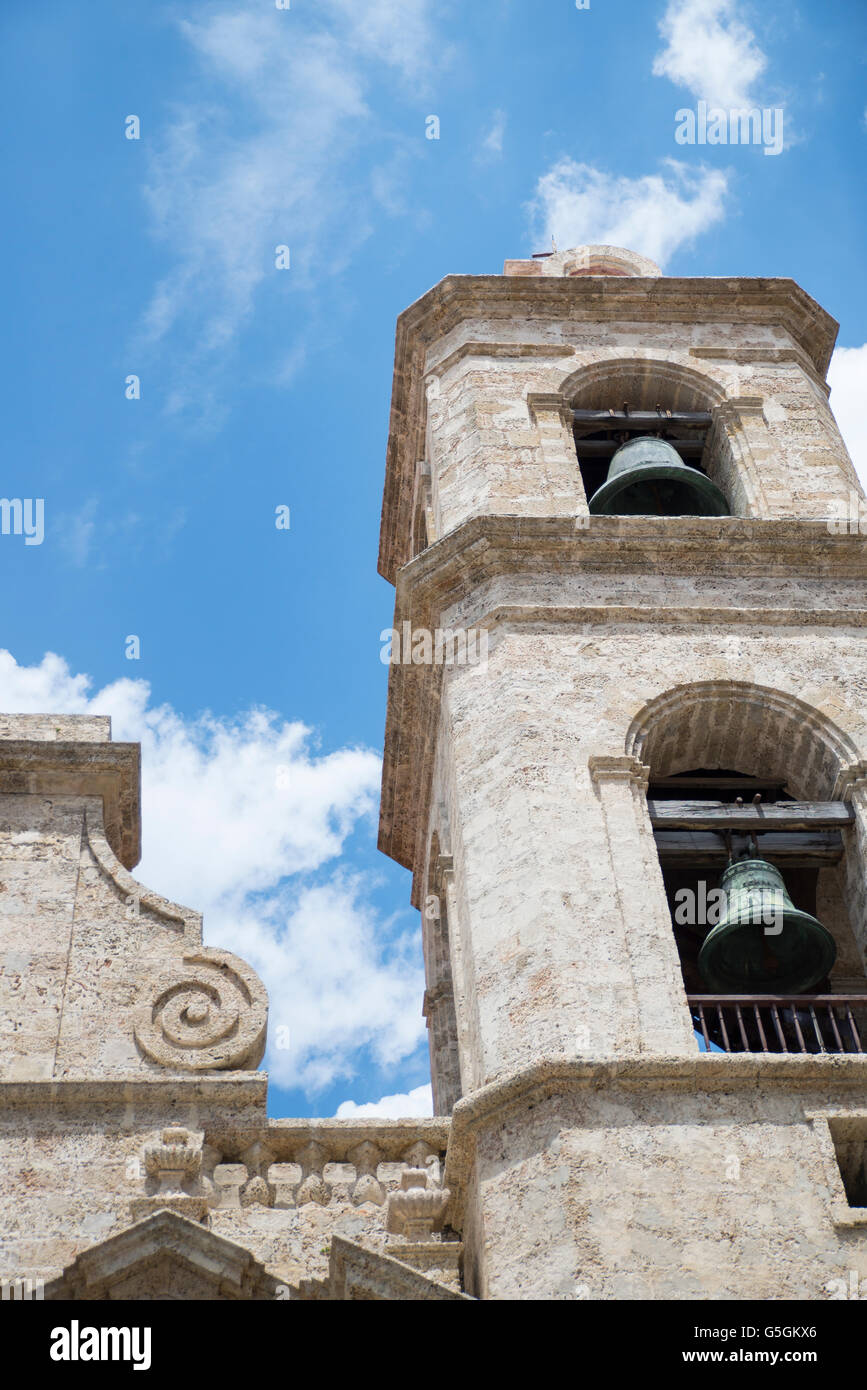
584 1148
621 648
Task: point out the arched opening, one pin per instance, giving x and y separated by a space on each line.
742 777
620 402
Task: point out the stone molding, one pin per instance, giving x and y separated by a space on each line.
703 1072
142 1255
355 1272
110 771
617 769
548 403
130 890
128 1102
489 547
166 1254
842 1215
480 347
747 357
850 779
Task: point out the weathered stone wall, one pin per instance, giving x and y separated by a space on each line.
654 1188
560 908
617 647
74 1172
502 373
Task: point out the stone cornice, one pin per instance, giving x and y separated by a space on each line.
702 1072
111 771
221 1096
601 299
734 545
338 1138
489 547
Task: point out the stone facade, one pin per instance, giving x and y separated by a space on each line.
583 1146
595 1152
136 1156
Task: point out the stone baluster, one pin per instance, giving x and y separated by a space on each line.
283 1181
257 1191
313 1187
229 1180
366 1157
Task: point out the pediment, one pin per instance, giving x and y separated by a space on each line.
356 1273
165 1256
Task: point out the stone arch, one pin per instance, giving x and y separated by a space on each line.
743 726
682 388
648 381
769 732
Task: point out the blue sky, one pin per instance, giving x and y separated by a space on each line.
259 694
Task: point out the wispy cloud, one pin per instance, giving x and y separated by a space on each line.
75 531
265 153
399 33
86 536
492 144
655 215
710 50
244 821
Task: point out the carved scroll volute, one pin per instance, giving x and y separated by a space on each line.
207 1012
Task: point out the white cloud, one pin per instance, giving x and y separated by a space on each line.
230 810
398 33
223 193
492 145
654 215
710 50
848 377
415 1103
266 152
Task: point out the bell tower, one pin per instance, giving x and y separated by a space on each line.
633 486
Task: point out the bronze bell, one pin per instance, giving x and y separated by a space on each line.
763 943
647 477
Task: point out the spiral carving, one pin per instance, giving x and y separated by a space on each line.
209 1012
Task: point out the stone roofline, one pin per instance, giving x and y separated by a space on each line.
655 299
72 755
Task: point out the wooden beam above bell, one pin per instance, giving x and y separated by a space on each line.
816 849
754 819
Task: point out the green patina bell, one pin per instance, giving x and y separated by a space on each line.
763 943
647 477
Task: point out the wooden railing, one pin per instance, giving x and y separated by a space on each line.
804 1023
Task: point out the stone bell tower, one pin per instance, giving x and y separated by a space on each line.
674 679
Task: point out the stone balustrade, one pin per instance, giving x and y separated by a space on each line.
294 1163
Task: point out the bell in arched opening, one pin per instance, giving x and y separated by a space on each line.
647 477
763 944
